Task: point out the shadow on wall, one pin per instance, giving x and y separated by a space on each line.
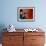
2 26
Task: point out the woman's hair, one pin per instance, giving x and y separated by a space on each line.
21 10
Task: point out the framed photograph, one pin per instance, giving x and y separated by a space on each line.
26 14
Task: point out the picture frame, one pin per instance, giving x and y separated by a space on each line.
26 14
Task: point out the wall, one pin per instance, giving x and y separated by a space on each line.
8 13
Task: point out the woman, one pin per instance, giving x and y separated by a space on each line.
22 16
